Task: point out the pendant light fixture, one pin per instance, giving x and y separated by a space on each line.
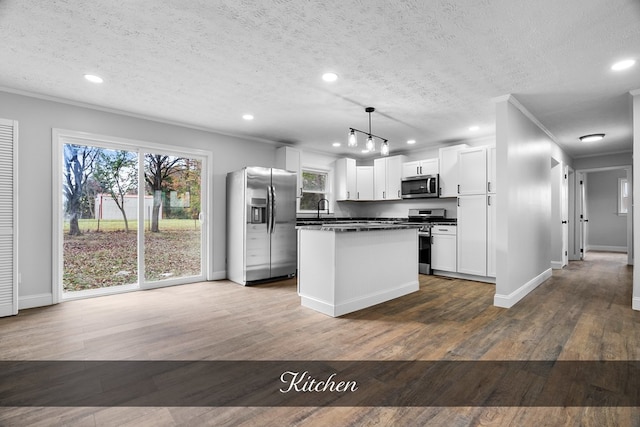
371 144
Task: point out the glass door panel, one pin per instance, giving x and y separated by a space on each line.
172 212
100 211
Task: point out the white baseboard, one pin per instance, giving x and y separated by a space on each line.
32 301
339 309
635 303
607 248
454 275
556 265
508 301
218 275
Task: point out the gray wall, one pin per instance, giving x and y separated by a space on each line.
37 117
607 229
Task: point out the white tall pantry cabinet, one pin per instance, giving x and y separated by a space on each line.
472 211
8 218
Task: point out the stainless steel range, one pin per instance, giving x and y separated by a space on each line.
425 218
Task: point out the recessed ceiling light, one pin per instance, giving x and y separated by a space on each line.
365 151
593 137
474 128
329 77
336 144
248 116
411 141
93 78
623 65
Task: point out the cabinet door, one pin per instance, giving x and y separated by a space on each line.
410 169
429 167
491 235
443 252
472 234
364 182
394 178
380 179
448 170
472 171
345 178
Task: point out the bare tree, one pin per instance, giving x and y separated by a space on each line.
158 171
78 166
117 173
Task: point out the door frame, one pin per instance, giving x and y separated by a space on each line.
60 137
581 175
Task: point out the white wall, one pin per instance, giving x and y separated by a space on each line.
524 206
607 229
36 119
636 193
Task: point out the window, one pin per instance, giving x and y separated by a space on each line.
623 196
315 186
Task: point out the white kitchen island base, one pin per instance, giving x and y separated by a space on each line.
343 269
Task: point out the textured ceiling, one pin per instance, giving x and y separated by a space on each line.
430 68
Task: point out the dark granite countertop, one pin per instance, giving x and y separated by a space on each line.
357 226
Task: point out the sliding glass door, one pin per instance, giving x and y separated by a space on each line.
172 231
129 216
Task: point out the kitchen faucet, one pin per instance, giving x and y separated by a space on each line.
319 203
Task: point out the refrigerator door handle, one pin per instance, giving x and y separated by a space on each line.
273 208
269 213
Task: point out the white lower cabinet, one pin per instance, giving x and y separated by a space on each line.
443 248
472 234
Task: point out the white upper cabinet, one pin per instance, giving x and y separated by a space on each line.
364 183
448 170
472 171
388 177
345 179
288 158
420 167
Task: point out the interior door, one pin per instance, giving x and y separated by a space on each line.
564 209
283 228
584 221
8 218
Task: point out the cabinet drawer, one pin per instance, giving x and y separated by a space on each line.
443 229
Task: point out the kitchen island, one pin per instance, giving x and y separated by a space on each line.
343 268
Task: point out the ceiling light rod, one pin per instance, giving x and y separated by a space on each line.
353 142
368 134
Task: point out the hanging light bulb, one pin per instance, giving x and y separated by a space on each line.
370 144
353 140
384 148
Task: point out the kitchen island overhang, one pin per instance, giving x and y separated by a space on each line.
343 268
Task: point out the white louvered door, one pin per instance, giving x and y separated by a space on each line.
8 218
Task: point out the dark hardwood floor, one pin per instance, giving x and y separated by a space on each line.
582 313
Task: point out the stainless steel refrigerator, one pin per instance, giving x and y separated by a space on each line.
261 220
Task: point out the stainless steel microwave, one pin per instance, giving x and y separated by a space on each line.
420 186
